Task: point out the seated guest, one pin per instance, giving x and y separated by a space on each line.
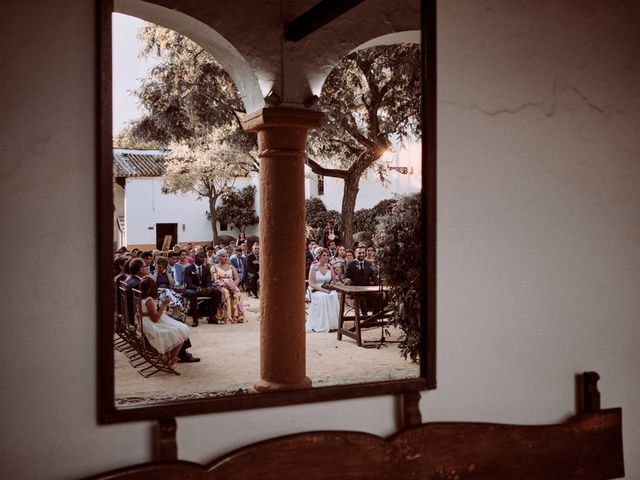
211 257
338 271
239 261
339 256
360 272
349 256
197 278
230 310
166 285
137 271
309 256
324 308
176 270
253 270
370 256
332 249
148 260
184 260
166 335
119 269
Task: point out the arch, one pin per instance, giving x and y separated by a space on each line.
316 79
408 36
222 50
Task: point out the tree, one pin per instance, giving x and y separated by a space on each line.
237 208
209 172
189 97
371 98
366 219
126 139
315 211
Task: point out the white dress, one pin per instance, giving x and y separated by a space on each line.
166 333
324 308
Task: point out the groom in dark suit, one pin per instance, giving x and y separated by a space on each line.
197 278
360 272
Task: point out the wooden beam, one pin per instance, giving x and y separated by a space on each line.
316 17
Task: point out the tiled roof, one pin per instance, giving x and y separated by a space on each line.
138 163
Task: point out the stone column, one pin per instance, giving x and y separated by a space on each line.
282 137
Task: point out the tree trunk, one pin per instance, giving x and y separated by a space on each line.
213 217
349 195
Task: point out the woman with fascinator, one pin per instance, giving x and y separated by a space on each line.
227 279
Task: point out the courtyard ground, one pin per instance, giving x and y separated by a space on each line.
230 363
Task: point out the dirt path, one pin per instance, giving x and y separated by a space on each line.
230 362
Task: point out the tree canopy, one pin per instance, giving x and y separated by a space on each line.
209 172
237 208
371 98
189 96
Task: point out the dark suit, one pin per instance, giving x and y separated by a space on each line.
195 283
308 260
364 276
133 281
253 273
240 262
326 239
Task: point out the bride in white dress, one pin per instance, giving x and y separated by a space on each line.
324 308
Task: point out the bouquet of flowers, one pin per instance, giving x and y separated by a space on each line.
328 286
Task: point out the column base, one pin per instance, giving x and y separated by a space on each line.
264 386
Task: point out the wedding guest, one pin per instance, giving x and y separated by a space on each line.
230 310
253 270
198 284
165 334
166 285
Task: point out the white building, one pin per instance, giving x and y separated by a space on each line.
143 215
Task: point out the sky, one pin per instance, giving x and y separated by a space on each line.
128 69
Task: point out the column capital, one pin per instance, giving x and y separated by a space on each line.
282 117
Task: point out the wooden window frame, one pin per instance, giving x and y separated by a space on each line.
107 410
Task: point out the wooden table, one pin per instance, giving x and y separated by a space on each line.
370 321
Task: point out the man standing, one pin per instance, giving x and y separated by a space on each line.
197 278
330 235
253 270
360 272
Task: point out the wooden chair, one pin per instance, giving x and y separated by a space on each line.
155 360
190 308
130 339
586 447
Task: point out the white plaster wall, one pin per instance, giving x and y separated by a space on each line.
146 205
538 254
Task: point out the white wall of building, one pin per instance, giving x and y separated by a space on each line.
538 240
146 205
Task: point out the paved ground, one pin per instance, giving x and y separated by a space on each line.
230 362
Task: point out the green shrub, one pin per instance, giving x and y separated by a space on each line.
399 250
